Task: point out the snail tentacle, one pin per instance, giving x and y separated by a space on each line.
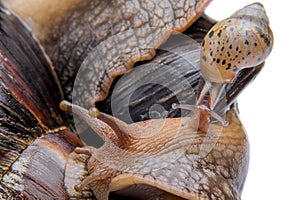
105 131
202 107
109 128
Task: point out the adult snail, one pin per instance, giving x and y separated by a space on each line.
29 105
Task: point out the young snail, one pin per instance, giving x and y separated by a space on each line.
243 40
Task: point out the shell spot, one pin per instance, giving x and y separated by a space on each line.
258 60
211 34
219 33
263 36
228 66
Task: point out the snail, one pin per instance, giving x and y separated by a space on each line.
121 152
240 41
34 135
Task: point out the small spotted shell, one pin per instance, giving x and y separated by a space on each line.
242 40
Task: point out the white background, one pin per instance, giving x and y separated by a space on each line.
269 107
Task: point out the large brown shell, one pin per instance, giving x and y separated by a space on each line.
34 144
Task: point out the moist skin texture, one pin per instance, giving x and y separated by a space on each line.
169 154
138 27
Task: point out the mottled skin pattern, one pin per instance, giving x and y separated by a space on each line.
146 24
177 159
242 40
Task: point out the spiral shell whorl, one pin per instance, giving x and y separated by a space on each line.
240 41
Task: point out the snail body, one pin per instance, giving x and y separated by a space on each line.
148 152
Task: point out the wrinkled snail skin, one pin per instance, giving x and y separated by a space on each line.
151 158
91 22
34 142
240 41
